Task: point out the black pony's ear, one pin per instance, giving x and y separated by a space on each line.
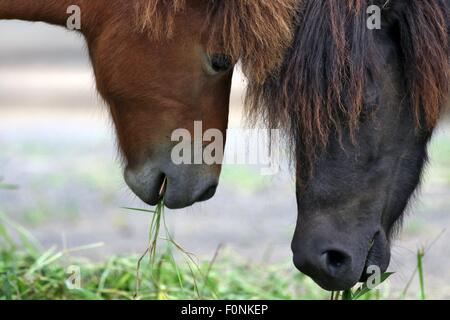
391 11
422 28
400 13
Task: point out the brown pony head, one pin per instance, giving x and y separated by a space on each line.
163 64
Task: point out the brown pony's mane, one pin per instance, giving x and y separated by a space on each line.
255 32
320 87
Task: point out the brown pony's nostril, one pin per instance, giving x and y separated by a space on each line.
336 262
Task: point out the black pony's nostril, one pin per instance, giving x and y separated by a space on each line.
208 193
336 261
335 258
332 268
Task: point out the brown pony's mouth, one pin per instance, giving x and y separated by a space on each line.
163 188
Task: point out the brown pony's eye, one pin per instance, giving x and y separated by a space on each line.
221 62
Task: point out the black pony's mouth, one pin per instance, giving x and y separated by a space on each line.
378 255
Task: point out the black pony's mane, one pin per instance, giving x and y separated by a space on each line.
320 87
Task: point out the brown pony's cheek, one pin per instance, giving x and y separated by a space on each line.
216 107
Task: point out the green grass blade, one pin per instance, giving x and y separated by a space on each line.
420 255
139 210
27 239
347 295
364 289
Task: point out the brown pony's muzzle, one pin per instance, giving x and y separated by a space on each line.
184 184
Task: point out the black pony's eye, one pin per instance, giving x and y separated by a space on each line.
221 62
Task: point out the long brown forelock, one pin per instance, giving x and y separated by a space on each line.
255 32
157 17
320 88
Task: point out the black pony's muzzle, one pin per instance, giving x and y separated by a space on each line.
338 261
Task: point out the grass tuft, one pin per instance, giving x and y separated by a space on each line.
29 272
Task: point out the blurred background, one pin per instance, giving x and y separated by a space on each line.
57 146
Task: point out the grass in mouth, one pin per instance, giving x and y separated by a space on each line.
363 290
157 227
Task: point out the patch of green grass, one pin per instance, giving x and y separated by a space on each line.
116 279
29 272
